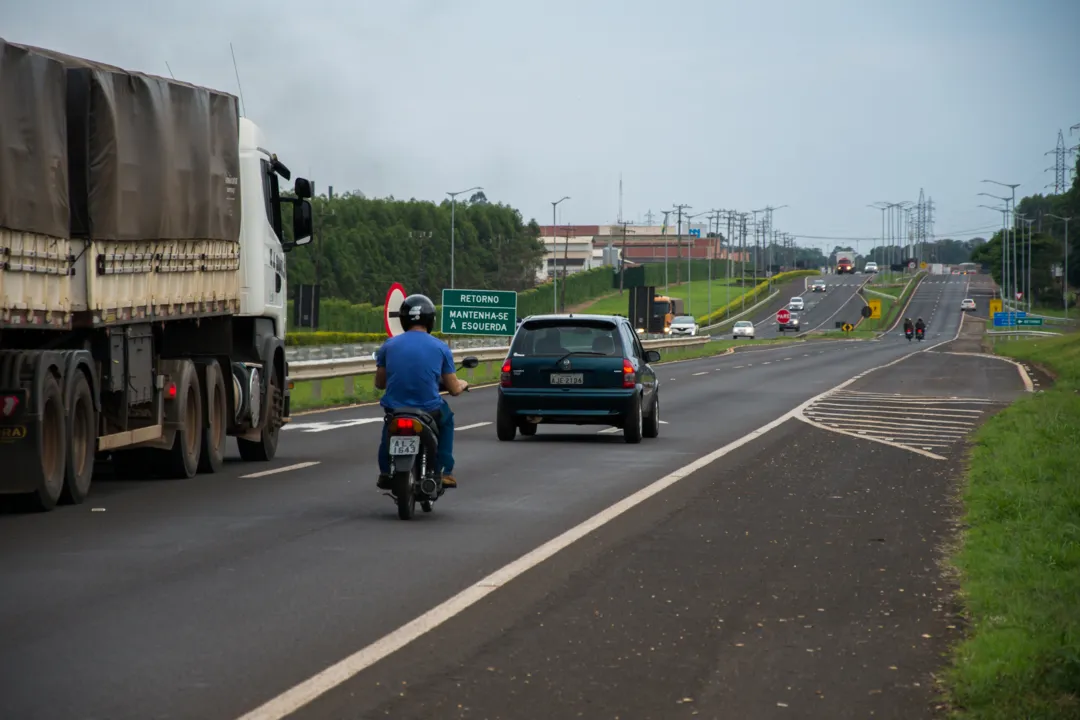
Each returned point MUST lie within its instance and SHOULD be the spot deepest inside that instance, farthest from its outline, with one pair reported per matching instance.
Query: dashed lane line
(275, 471)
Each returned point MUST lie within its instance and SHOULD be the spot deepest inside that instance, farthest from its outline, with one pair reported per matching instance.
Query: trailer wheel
(81, 441)
(51, 448)
(213, 434)
(182, 460)
(265, 448)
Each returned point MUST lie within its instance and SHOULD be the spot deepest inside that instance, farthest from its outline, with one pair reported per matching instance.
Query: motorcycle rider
(409, 367)
(920, 326)
(909, 327)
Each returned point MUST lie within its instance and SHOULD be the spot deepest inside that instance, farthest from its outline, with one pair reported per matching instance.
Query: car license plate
(567, 378)
(405, 445)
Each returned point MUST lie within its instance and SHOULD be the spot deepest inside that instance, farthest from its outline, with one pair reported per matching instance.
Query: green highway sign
(479, 312)
(1029, 321)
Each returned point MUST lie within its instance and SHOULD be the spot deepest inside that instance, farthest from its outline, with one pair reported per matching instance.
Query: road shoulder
(799, 576)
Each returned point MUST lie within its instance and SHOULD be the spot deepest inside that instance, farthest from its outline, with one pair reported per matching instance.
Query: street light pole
(1012, 187)
(453, 207)
(555, 255)
(1065, 266)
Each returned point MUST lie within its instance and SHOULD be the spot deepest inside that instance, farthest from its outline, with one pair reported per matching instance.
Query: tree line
(362, 245)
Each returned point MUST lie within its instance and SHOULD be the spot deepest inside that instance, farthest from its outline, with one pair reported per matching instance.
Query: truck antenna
(243, 108)
(170, 70)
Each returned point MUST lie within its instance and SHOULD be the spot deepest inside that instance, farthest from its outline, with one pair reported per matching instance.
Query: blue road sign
(1008, 319)
(695, 232)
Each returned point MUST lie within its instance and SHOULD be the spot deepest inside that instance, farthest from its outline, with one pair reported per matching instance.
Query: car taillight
(405, 426)
(629, 377)
(504, 376)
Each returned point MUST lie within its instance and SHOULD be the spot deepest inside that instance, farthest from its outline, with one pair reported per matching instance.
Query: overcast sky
(822, 105)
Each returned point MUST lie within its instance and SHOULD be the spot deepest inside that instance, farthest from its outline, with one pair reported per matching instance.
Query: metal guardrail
(315, 371)
(1010, 333)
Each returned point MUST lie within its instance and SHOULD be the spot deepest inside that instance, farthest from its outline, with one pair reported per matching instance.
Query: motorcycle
(920, 333)
(909, 334)
(414, 449)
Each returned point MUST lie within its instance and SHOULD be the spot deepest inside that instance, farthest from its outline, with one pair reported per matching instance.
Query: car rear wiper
(580, 352)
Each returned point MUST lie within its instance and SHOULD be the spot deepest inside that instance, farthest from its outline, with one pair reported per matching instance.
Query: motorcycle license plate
(567, 378)
(405, 445)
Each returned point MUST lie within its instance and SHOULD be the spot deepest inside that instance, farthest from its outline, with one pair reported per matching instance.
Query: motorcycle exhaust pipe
(428, 486)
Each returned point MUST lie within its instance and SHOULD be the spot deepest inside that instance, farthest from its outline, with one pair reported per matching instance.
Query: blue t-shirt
(415, 362)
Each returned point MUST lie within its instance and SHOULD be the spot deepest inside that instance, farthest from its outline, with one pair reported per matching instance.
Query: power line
(878, 238)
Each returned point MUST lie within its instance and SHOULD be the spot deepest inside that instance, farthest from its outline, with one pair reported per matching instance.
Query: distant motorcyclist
(409, 367)
(920, 326)
(909, 327)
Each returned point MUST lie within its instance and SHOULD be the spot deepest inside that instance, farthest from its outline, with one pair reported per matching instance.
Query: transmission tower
(649, 217)
(1061, 164)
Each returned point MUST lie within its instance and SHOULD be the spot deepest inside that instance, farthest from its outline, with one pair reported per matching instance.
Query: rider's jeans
(445, 422)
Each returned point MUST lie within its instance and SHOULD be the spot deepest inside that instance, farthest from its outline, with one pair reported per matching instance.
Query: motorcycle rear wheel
(404, 491)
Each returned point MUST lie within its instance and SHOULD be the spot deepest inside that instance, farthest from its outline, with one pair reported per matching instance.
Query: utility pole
(1065, 265)
(678, 244)
(663, 231)
(622, 260)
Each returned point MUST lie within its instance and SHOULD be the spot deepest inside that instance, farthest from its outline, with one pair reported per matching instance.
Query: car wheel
(633, 426)
(651, 427)
(505, 427)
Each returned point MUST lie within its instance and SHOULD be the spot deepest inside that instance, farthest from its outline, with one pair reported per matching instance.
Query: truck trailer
(142, 276)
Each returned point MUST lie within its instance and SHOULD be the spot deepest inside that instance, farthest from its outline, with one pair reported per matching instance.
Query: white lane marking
(787, 358)
(332, 425)
(706, 372)
(767, 363)
(470, 427)
(275, 471)
(609, 431)
(737, 367)
(319, 684)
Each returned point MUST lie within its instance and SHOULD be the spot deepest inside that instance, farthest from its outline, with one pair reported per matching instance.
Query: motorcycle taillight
(405, 426)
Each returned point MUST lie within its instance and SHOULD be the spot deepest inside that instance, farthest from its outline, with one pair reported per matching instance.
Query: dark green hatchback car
(578, 370)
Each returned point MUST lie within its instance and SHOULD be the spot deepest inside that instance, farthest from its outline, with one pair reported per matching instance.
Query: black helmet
(417, 310)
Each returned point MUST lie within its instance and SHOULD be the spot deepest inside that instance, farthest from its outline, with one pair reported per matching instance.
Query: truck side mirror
(302, 188)
(302, 224)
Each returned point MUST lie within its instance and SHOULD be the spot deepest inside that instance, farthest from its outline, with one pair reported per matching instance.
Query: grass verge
(696, 294)
(336, 392)
(1020, 557)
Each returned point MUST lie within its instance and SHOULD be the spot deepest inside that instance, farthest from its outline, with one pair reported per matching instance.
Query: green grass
(1020, 557)
(697, 294)
(894, 290)
(1053, 311)
(333, 392)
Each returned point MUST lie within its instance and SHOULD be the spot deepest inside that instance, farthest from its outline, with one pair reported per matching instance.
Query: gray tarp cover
(33, 143)
(150, 158)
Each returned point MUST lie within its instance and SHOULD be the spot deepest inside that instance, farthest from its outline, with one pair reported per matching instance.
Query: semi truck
(845, 261)
(142, 276)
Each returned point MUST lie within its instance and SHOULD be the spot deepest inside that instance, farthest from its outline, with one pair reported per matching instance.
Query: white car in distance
(967, 304)
(743, 328)
(684, 325)
(796, 304)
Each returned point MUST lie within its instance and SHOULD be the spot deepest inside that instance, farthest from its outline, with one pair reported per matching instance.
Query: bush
(760, 289)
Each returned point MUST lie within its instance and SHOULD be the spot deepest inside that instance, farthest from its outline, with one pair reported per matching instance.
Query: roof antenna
(243, 108)
(170, 70)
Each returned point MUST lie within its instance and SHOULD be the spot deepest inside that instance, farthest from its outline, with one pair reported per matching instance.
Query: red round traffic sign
(783, 316)
(394, 298)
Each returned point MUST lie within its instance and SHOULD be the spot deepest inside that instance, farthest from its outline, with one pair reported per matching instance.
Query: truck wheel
(265, 448)
(182, 461)
(81, 439)
(51, 446)
(213, 434)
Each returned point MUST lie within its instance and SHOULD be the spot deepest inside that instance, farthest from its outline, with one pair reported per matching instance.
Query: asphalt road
(822, 309)
(798, 577)
(205, 598)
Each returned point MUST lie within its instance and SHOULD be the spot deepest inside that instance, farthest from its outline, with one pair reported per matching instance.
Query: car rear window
(559, 337)
(744, 323)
